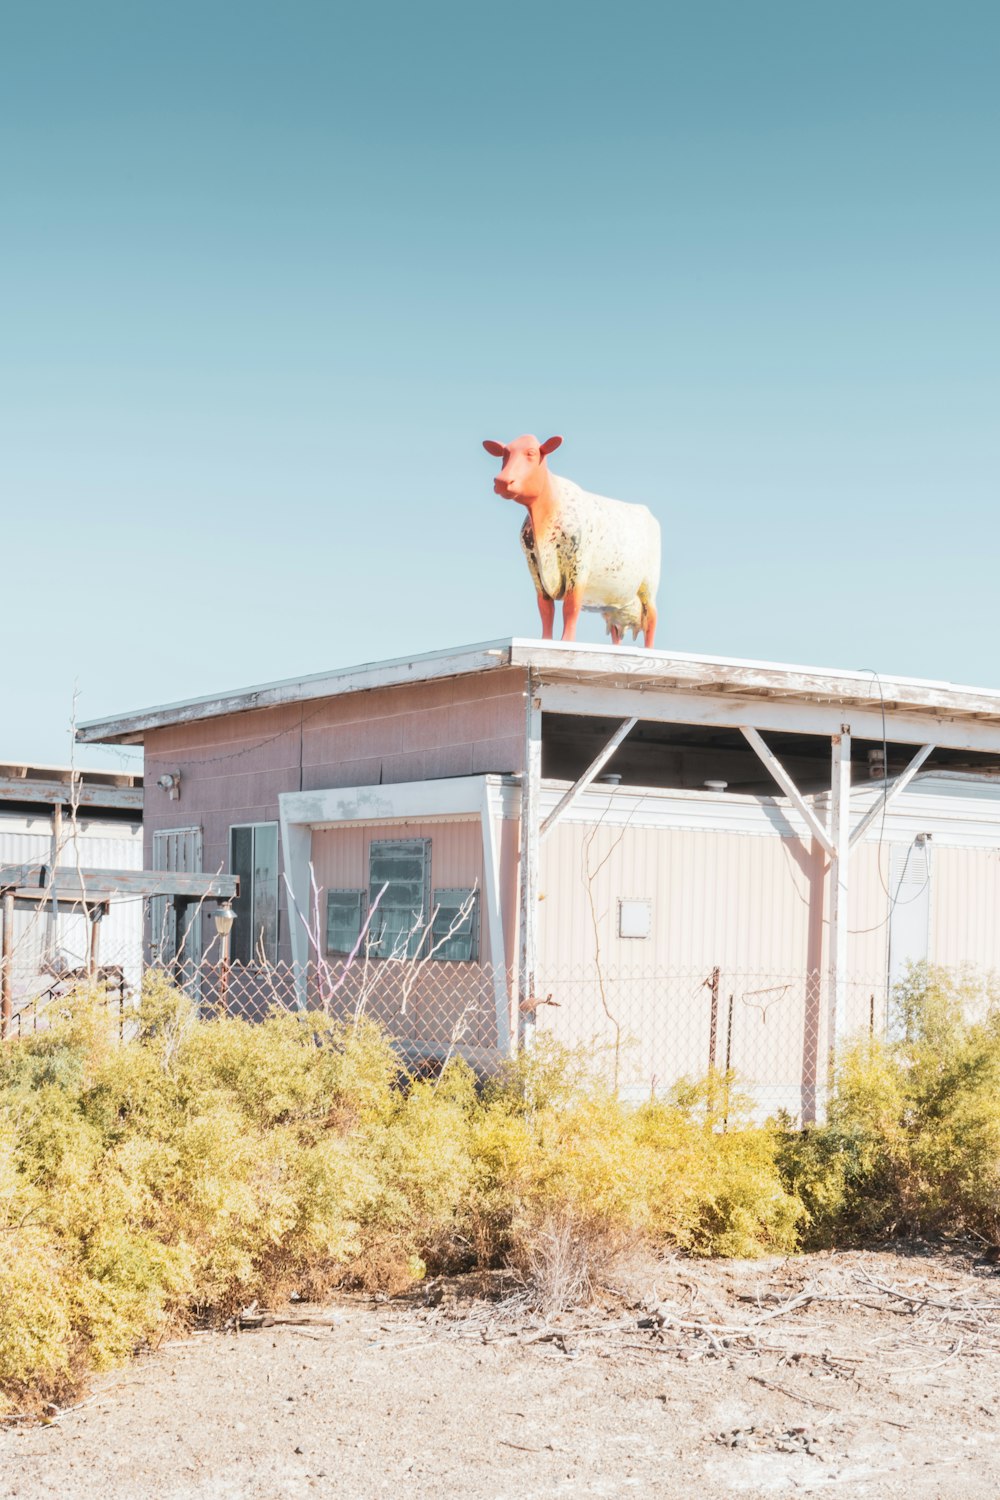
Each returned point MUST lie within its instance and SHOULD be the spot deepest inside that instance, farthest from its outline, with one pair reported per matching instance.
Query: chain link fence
(645, 1031)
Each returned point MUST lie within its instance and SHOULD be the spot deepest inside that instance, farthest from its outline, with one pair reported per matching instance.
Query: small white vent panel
(635, 918)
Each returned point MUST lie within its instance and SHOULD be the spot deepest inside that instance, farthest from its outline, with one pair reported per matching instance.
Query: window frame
(462, 893)
(250, 895)
(374, 886)
(362, 896)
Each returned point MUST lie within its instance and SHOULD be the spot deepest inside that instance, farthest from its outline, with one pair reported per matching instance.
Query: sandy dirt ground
(874, 1375)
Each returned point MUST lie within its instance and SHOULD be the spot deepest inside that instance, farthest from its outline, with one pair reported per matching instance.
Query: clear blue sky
(271, 273)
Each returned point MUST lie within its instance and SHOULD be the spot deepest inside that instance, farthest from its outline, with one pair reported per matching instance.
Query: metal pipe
(729, 1057)
(93, 959)
(224, 975)
(713, 1022)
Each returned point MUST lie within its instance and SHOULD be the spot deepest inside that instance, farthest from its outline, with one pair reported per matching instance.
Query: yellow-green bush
(552, 1141)
(206, 1164)
(912, 1140)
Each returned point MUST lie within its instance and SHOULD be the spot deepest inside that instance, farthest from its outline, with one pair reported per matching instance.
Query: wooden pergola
(91, 889)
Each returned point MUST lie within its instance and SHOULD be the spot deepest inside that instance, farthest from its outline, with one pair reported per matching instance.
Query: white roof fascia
(557, 661)
(637, 663)
(128, 728)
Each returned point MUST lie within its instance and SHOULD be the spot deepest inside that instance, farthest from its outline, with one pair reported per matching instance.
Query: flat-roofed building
(688, 860)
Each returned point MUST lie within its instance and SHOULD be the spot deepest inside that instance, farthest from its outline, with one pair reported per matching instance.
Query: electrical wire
(295, 728)
(893, 900)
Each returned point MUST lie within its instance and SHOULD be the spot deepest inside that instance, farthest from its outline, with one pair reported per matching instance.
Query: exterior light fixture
(170, 781)
(224, 917)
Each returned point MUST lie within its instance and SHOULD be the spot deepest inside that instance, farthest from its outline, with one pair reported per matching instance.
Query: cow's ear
(495, 448)
(549, 446)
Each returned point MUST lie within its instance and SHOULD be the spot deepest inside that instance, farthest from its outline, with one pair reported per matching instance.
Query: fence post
(93, 960)
(6, 963)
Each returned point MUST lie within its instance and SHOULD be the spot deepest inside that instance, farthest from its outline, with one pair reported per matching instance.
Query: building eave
(598, 667)
(130, 728)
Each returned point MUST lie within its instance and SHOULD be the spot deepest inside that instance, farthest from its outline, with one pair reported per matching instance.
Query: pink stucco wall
(234, 768)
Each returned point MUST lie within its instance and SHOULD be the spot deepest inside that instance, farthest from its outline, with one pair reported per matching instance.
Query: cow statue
(588, 551)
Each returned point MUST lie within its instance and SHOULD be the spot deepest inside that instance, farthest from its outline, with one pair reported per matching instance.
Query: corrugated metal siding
(729, 899)
(98, 844)
(753, 905)
(965, 907)
(867, 911)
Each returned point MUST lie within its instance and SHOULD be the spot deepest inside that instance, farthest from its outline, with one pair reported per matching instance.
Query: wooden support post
(531, 782)
(788, 786)
(6, 963)
(840, 830)
(52, 943)
(489, 816)
(891, 792)
(596, 765)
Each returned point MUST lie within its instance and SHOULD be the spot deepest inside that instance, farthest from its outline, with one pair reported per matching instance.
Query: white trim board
(662, 675)
(450, 799)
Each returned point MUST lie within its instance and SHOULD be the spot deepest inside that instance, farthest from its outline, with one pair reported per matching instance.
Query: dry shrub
(204, 1165)
(912, 1142)
(568, 1258)
(553, 1144)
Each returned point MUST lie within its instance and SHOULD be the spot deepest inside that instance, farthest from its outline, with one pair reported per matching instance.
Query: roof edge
(555, 660)
(129, 728)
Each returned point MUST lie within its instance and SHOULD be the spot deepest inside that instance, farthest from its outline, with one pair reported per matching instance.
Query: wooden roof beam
(41, 882)
(889, 792)
(594, 769)
(791, 791)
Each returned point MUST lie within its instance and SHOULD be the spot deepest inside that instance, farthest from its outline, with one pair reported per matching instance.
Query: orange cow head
(524, 476)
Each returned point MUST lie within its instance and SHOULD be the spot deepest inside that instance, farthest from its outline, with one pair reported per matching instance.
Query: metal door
(173, 944)
(910, 905)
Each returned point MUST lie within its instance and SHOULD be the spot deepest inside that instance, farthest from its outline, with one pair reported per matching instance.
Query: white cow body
(608, 549)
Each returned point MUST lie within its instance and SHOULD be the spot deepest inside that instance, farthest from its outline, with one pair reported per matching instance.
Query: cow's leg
(547, 610)
(572, 604)
(649, 626)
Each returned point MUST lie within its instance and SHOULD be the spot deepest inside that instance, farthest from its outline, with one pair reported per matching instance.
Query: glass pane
(454, 938)
(343, 920)
(399, 927)
(397, 931)
(265, 892)
(241, 864)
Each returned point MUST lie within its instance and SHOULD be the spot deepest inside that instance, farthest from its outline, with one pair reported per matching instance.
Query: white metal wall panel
(98, 843)
(718, 898)
(965, 907)
(910, 912)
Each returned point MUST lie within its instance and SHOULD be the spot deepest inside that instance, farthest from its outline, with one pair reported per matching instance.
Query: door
(175, 927)
(909, 906)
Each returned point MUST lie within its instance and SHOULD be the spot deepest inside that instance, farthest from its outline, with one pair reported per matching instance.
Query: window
(344, 920)
(403, 866)
(253, 856)
(455, 933)
(406, 922)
